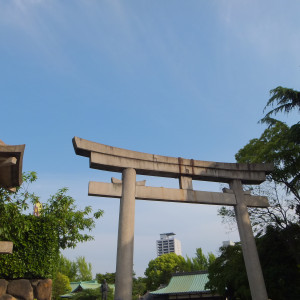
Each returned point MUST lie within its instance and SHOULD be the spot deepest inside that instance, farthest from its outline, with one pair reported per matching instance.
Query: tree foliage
(279, 260)
(70, 222)
(35, 251)
(278, 226)
(227, 274)
(200, 262)
(284, 99)
(61, 286)
(78, 270)
(275, 146)
(139, 287)
(37, 240)
(280, 145)
(109, 277)
(160, 269)
(138, 283)
(67, 268)
(84, 269)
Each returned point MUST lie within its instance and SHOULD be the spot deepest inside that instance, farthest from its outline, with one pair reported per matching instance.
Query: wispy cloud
(33, 26)
(270, 28)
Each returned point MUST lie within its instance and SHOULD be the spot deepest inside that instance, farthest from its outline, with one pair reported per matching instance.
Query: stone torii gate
(130, 163)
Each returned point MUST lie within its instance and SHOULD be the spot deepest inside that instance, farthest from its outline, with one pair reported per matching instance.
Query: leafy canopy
(280, 145)
(37, 240)
(275, 145)
(286, 100)
(61, 286)
(160, 269)
(78, 270)
(279, 252)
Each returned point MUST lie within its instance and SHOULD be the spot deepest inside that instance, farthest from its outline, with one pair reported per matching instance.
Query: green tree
(67, 267)
(286, 100)
(37, 240)
(200, 262)
(84, 269)
(61, 286)
(138, 284)
(78, 270)
(227, 274)
(279, 144)
(160, 269)
(109, 277)
(275, 145)
(279, 252)
(139, 287)
(70, 222)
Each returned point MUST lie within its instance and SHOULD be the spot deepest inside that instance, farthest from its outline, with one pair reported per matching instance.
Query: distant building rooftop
(228, 243)
(78, 286)
(166, 235)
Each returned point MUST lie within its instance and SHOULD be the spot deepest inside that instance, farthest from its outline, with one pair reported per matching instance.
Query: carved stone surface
(43, 290)
(3, 286)
(6, 247)
(24, 289)
(7, 297)
(114, 159)
(20, 289)
(11, 159)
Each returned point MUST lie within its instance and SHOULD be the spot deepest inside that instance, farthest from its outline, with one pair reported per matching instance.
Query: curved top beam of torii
(114, 159)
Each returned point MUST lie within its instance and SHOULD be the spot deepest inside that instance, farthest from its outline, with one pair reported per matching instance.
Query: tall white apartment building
(168, 244)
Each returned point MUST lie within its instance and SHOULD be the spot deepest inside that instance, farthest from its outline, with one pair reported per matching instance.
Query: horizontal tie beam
(114, 190)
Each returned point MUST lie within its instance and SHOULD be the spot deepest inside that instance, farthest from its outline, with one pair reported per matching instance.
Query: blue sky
(176, 78)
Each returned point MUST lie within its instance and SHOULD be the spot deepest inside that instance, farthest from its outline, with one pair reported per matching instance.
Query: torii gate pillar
(251, 259)
(126, 236)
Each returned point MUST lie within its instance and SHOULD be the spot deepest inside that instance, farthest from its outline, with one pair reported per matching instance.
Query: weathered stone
(114, 190)
(126, 237)
(7, 297)
(114, 159)
(6, 247)
(3, 286)
(44, 290)
(20, 289)
(253, 267)
(11, 158)
(34, 283)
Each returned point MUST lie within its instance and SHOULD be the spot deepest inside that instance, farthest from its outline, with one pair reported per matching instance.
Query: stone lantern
(11, 160)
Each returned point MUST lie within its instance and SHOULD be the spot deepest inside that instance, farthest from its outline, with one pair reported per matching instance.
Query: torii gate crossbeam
(130, 163)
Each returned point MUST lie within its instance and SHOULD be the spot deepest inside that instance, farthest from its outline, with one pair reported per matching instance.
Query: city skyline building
(168, 244)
